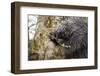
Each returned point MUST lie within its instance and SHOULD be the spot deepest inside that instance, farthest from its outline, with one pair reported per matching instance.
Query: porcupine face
(60, 36)
(72, 36)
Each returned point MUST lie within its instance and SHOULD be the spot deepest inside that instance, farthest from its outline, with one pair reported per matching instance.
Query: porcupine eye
(53, 38)
(64, 35)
